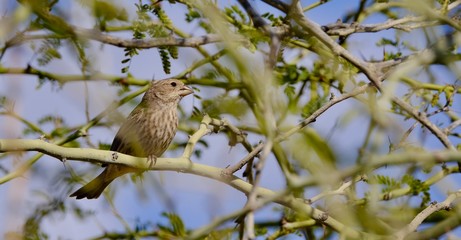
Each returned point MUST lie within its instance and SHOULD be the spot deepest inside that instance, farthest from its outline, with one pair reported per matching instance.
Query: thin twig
(202, 131)
(339, 191)
(422, 118)
(452, 126)
(93, 34)
(252, 196)
(232, 169)
(432, 208)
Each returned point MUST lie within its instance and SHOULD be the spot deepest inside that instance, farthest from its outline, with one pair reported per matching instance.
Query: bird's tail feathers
(93, 189)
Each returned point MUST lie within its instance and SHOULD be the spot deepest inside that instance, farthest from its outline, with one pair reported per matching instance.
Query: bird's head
(167, 91)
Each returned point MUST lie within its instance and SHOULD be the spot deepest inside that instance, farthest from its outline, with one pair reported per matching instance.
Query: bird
(147, 132)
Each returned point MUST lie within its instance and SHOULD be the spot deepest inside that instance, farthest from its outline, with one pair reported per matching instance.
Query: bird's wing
(127, 139)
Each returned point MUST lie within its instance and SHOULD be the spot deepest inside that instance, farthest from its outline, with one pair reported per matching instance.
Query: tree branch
(93, 34)
(81, 131)
(346, 29)
(369, 70)
(432, 208)
(296, 13)
(184, 165)
(147, 43)
(405, 24)
(180, 164)
(407, 190)
(66, 78)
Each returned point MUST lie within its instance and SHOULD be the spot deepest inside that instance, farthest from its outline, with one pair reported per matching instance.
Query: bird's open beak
(184, 91)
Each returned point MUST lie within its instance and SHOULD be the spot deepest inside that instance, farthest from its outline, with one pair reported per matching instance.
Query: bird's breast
(162, 126)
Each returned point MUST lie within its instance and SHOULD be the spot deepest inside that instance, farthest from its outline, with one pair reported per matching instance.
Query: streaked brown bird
(147, 132)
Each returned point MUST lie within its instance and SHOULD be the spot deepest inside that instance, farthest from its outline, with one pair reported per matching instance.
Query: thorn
(43, 138)
(82, 133)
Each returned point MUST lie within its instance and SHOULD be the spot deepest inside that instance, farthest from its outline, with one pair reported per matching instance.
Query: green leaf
(173, 51)
(319, 145)
(191, 15)
(108, 11)
(48, 51)
(220, 234)
(387, 41)
(435, 99)
(388, 182)
(313, 105)
(289, 91)
(103, 146)
(234, 106)
(165, 59)
(176, 227)
(162, 16)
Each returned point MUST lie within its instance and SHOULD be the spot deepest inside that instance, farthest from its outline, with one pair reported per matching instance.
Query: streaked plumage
(147, 132)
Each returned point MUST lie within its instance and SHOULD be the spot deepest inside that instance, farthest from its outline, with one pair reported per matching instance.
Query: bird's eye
(173, 84)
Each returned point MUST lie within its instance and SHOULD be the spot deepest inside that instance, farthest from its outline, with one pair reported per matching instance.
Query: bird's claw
(152, 160)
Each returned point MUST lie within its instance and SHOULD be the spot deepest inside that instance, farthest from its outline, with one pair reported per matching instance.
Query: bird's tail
(93, 189)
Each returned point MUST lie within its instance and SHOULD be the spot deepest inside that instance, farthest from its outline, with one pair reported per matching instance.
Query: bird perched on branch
(147, 132)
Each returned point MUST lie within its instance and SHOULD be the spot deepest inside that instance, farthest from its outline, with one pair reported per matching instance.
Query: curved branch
(394, 194)
(438, 230)
(345, 29)
(122, 80)
(92, 34)
(184, 165)
(66, 78)
(405, 24)
(181, 164)
(432, 208)
(147, 43)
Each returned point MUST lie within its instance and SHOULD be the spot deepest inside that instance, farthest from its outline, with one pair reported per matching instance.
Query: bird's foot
(152, 160)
